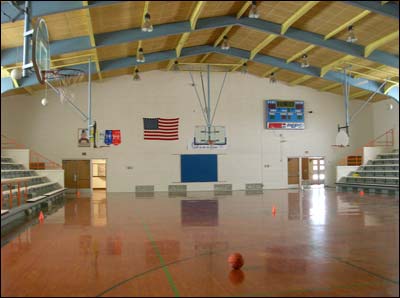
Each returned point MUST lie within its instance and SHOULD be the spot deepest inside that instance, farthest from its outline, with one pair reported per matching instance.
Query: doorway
(99, 174)
(293, 171)
(77, 174)
(317, 170)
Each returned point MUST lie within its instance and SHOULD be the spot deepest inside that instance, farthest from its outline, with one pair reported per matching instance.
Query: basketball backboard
(216, 136)
(41, 50)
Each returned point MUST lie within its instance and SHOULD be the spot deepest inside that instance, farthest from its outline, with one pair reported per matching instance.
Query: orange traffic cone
(273, 210)
(361, 193)
(41, 216)
(78, 194)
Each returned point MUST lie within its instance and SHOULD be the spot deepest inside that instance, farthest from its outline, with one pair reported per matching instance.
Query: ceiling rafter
(301, 80)
(297, 15)
(328, 67)
(330, 87)
(240, 13)
(380, 42)
(131, 35)
(262, 45)
(268, 72)
(119, 63)
(389, 9)
(140, 42)
(92, 40)
(185, 36)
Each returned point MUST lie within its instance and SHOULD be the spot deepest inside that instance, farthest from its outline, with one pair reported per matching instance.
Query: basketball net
(62, 80)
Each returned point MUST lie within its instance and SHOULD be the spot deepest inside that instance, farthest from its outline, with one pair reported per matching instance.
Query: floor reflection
(199, 212)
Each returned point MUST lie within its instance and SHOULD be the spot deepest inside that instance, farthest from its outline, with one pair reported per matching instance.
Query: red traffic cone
(361, 193)
(273, 210)
(41, 216)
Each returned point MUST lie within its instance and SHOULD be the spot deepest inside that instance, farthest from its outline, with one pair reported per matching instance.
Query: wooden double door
(76, 174)
(293, 170)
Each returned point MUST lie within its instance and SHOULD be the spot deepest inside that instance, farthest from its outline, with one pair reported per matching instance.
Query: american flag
(161, 129)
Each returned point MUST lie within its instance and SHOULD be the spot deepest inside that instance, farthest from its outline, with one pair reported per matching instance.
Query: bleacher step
(4, 211)
(36, 199)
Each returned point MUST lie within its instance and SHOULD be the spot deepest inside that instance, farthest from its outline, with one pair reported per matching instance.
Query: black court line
(155, 269)
(365, 270)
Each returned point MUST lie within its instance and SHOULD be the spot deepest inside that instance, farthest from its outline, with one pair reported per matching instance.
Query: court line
(157, 268)
(161, 259)
(365, 270)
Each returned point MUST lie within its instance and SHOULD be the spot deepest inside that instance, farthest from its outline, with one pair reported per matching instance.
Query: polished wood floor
(318, 243)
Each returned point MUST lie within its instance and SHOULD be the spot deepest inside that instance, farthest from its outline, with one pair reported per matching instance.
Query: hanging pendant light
(136, 76)
(225, 43)
(351, 35)
(272, 78)
(176, 66)
(253, 13)
(304, 61)
(244, 69)
(147, 26)
(140, 56)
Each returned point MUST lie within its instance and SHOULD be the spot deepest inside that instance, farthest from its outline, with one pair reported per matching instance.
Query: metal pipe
(209, 102)
(198, 97)
(27, 22)
(89, 98)
(368, 100)
(219, 96)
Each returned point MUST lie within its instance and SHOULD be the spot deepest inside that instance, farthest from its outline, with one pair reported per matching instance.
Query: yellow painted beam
(225, 32)
(196, 13)
(145, 10)
(300, 80)
(181, 43)
(92, 40)
(299, 54)
(242, 61)
(360, 93)
(377, 69)
(5, 74)
(388, 87)
(275, 69)
(297, 15)
(366, 75)
(330, 87)
(170, 64)
(347, 24)
(384, 2)
(262, 45)
(205, 57)
(243, 9)
(380, 42)
(29, 90)
(326, 68)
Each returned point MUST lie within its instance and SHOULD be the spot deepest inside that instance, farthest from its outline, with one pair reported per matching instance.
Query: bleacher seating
(380, 175)
(37, 187)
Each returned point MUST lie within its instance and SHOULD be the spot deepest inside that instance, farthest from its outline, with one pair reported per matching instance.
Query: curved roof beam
(125, 62)
(9, 56)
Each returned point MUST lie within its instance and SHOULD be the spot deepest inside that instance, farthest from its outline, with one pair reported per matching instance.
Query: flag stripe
(161, 129)
(162, 139)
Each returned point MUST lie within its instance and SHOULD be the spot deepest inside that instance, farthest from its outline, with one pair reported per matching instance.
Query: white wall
(385, 118)
(20, 156)
(254, 155)
(53, 175)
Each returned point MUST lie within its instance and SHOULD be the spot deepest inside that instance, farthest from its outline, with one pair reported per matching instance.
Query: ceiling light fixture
(244, 69)
(272, 78)
(225, 43)
(304, 61)
(176, 66)
(136, 76)
(140, 56)
(253, 13)
(351, 35)
(147, 26)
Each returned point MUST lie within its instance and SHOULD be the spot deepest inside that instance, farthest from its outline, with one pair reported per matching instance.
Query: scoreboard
(284, 114)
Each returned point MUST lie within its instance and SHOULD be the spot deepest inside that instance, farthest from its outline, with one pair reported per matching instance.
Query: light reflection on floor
(319, 242)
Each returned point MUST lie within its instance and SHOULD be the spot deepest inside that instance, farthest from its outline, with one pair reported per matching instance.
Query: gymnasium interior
(199, 148)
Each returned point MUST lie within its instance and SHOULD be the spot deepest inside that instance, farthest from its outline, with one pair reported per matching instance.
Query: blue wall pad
(199, 168)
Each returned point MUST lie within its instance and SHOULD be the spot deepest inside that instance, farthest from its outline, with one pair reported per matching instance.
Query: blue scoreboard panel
(285, 114)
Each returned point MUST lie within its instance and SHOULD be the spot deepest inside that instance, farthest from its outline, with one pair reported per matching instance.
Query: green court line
(164, 266)
(159, 267)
